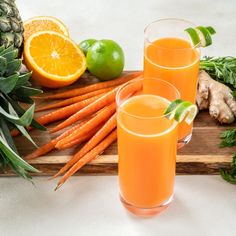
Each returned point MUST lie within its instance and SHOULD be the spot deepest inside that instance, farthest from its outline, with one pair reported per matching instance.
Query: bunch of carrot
(94, 106)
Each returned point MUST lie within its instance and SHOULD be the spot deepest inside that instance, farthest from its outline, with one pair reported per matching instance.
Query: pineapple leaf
(13, 66)
(23, 78)
(3, 65)
(19, 127)
(2, 48)
(6, 134)
(26, 134)
(8, 84)
(24, 120)
(37, 125)
(20, 171)
(20, 111)
(6, 50)
(27, 100)
(9, 56)
(3, 161)
(14, 158)
(25, 91)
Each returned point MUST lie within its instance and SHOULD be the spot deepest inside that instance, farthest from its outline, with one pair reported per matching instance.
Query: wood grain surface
(201, 156)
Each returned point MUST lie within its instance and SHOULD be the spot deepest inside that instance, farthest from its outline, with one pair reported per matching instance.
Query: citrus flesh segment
(43, 23)
(55, 60)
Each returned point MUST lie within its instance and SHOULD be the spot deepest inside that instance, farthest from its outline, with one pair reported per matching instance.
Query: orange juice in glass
(146, 145)
(169, 55)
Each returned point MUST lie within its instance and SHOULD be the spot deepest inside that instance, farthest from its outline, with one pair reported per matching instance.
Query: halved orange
(42, 23)
(54, 59)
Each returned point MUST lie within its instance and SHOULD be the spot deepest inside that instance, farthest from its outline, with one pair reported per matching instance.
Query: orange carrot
(16, 132)
(78, 140)
(83, 90)
(88, 110)
(61, 113)
(97, 138)
(88, 157)
(74, 99)
(51, 145)
(105, 114)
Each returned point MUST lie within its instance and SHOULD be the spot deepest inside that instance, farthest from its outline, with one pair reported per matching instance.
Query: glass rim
(169, 19)
(142, 79)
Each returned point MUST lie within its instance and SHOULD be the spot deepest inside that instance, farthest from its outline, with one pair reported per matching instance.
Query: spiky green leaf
(24, 120)
(25, 91)
(27, 100)
(3, 65)
(9, 56)
(2, 48)
(6, 50)
(23, 79)
(7, 84)
(14, 158)
(20, 111)
(6, 134)
(13, 66)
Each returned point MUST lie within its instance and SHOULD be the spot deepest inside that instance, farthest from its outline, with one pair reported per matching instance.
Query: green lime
(86, 44)
(182, 110)
(105, 59)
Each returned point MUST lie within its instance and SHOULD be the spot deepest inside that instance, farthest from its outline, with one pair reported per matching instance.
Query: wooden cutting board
(201, 156)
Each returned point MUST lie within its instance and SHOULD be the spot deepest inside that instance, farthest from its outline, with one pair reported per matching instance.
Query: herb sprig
(230, 175)
(228, 139)
(222, 69)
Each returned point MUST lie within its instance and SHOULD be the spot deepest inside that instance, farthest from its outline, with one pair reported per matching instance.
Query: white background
(203, 205)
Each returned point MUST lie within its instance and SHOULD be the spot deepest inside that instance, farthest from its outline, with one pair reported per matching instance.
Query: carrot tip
(57, 187)
(52, 177)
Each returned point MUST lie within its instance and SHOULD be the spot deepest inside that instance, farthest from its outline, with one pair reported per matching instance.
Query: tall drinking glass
(147, 143)
(169, 54)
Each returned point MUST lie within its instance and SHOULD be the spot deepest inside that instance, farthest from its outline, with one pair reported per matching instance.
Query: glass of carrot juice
(169, 54)
(147, 143)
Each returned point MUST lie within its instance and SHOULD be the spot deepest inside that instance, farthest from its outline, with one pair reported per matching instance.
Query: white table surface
(89, 205)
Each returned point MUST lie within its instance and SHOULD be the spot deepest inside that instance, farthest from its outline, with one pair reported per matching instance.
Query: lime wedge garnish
(171, 107)
(205, 36)
(193, 35)
(211, 29)
(201, 36)
(182, 111)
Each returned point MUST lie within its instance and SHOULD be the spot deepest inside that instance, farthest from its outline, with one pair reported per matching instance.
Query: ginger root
(216, 97)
